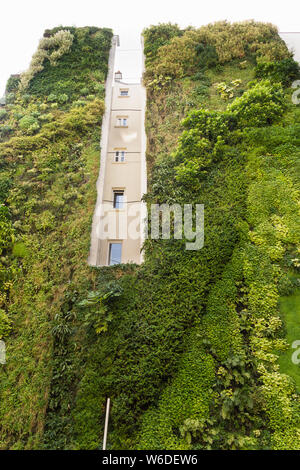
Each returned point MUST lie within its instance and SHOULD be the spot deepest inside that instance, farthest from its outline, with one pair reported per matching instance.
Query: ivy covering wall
(186, 345)
(50, 134)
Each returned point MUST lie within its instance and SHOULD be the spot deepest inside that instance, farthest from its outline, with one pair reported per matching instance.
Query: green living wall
(188, 353)
(187, 344)
(50, 134)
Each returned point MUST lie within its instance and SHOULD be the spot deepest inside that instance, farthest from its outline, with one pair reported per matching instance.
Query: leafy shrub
(201, 90)
(210, 124)
(29, 124)
(262, 104)
(6, 232)
(218, 43)
(206, 56)
(157, 36)
(12, 84)
(5, 130)
(197, 156)
(188, 395)
(86, 60)
(186, 352)
(19, 250)
(5, 324)
(10, 97)
(52, 98)
(47, 117)
(178, 58)
(5, 185)
(63, 98)
(3, 114)
(50, 48)
(227, 91)
(238, 40)
(78, 103)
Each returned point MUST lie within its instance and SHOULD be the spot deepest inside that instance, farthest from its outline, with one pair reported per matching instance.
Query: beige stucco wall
(126, 225)
(122, 225)
(124, 175)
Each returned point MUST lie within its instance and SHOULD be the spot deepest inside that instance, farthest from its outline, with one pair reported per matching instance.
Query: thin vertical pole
(106, 423)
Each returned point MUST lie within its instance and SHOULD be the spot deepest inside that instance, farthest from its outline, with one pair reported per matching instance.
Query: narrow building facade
(118, 224)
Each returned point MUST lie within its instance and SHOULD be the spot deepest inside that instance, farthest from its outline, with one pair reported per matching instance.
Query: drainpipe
(106, 424)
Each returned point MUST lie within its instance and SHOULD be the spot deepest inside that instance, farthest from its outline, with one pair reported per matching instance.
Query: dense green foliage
(189, 347)
(49, 166)
(186, 345)
(82, 71)
(237, 396)
(188, 53)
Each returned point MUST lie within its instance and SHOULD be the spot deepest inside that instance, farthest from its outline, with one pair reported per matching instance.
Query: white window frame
(119, 156)
(124, 92)
(122, 122)
(122, 204)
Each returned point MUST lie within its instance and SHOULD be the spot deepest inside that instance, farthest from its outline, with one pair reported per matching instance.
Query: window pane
(115, 253)
(118, 199)
(124, 122)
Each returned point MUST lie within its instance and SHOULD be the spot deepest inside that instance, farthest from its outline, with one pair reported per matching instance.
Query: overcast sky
(23, 22)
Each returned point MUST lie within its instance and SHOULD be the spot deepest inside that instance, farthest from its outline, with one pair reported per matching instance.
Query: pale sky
(23, 23)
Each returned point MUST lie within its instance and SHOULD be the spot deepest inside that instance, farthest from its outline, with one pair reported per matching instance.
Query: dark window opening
(115, 253)
(120, 156)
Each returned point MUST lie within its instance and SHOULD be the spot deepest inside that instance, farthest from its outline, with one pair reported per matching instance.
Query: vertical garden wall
(189, 342)
(50, 134)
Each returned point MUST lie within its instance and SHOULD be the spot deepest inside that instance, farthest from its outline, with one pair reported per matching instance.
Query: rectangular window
(121, 122)
(118, 199)
(124, 92)
(115, 253)
(120, 156)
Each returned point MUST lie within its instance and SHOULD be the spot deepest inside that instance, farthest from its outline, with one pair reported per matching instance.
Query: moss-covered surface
(49, 167)
(246, 149)
(189, 355)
